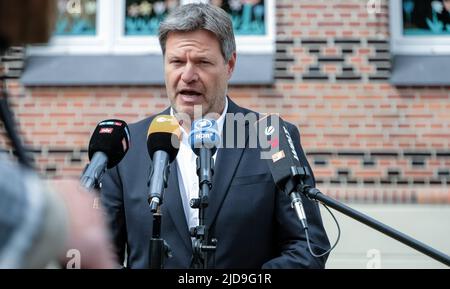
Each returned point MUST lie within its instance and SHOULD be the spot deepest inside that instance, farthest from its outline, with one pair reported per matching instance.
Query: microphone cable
(334, 245)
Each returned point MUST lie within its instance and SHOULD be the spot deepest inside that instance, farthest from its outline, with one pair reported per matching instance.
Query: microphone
(163, 143)
(108, 145)
(284, 163)
(204, 135)
(204, 139)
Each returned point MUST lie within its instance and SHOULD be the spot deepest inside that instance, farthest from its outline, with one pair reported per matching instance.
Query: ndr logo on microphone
(204, 136)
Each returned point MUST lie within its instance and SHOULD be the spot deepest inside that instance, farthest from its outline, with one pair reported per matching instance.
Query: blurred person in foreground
(49, 224)
(44, 224)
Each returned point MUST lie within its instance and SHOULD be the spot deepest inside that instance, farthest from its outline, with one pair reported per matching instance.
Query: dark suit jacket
(251, 219)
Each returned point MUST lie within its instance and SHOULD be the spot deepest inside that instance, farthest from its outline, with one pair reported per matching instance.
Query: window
(247, 16)
(420, 42)
(420, 26)
(143, 17)
(131, 26)
(427, 18)
(76, 18)
(96, 39)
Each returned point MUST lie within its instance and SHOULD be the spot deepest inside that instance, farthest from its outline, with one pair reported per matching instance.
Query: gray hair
(195, 16)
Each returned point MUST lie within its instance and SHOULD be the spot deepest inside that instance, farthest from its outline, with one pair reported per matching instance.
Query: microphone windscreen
(164, 134)
(276, 140)
(204, 134)
(112, 137)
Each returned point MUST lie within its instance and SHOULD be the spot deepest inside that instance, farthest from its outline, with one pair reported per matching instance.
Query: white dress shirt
(187, 171)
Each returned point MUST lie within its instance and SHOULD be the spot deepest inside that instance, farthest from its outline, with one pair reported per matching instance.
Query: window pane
(143, 17)
(76, 17)
(426, 17)
(247, 15)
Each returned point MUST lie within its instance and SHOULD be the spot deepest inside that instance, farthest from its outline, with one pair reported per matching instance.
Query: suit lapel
(173, 205)
(227, 161)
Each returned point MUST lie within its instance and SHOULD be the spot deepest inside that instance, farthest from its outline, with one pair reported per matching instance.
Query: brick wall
(366, 140)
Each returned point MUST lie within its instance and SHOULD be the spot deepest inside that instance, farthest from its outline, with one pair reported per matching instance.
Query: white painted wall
(363, 247)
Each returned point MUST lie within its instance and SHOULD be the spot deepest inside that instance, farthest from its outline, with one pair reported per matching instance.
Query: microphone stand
(159, 249)
(301, 173)
(202, 251)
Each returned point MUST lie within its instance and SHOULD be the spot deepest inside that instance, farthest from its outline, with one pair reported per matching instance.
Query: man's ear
(231, 64)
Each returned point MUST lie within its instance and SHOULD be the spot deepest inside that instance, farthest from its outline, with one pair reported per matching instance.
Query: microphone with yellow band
(163, 143)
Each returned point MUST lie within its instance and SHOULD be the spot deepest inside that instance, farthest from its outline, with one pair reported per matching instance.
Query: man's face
(447, 5)
(196, 72)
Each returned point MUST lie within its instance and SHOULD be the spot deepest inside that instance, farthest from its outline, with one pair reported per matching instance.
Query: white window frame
(100, 43)
(413, 45)
(110, 38)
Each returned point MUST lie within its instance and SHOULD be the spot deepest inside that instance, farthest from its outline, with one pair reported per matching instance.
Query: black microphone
(283, 161)
(109, 143)
(163, 143)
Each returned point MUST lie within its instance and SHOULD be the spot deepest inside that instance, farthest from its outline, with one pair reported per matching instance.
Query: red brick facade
(366, 140)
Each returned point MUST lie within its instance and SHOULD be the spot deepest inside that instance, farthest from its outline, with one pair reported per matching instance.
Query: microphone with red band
(163, 143)
(283, 161)
(109, 143)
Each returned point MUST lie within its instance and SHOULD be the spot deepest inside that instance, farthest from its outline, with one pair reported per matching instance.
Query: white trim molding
(110, 38)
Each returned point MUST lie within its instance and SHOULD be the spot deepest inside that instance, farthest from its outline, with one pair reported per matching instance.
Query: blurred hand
(88, 237)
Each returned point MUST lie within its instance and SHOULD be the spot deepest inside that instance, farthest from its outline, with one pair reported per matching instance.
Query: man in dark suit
(251, 219)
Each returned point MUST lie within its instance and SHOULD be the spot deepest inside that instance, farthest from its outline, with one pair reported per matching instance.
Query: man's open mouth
(189, 92)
